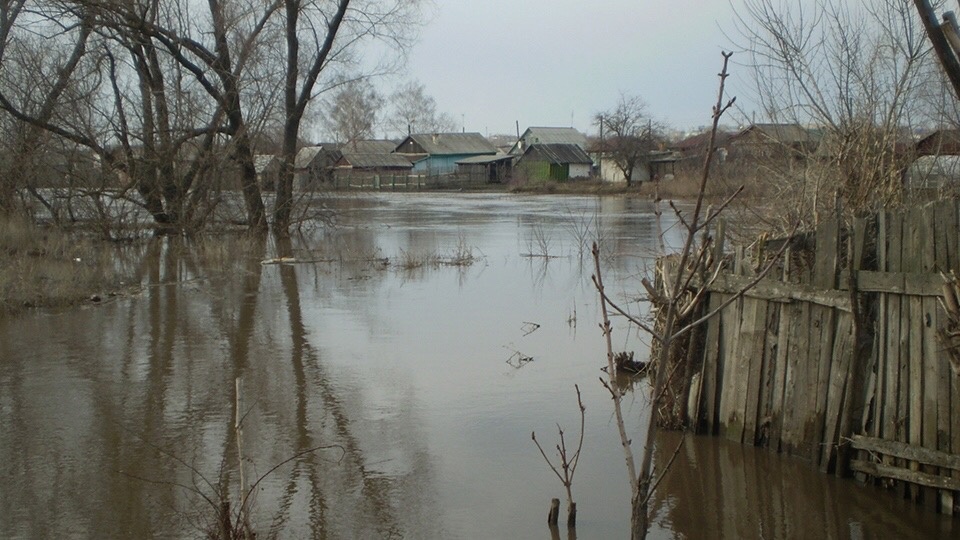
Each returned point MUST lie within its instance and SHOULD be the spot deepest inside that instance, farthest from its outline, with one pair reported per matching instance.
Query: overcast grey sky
(557, 62)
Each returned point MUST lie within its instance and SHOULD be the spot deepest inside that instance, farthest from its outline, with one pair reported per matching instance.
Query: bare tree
(318, 35)
(354, 110)
(858, 73)
(415, 111)
(628, 135)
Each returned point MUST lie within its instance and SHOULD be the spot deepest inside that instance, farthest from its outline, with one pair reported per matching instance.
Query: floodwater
(380, 397)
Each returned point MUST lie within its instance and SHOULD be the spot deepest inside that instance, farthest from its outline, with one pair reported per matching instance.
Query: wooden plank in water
(780, 377)
(913, 234)
(794, 378)
(768, 374)
(893, 413)
(752, 345)
(880, 340)
(906, 475)
(826, 267)
(861, 363)
(728, 398)
(839, 380)
(711, 377)
(928, 338)
(944, 460)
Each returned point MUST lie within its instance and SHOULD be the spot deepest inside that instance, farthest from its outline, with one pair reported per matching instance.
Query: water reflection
(717, 489)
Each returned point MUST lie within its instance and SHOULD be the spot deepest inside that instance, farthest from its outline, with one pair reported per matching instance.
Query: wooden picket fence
(835, 356)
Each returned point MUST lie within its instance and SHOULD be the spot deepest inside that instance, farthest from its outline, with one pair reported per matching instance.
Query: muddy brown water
(387, 394)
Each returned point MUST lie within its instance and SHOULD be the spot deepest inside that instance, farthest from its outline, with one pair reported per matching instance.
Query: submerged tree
(318, 37)
(163, 94)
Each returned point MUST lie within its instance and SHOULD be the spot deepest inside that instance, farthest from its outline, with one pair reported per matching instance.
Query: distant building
(369, 159)
(493, 169)
(268, 171)
(777, 141)
(555, 162)
(548, 135)
(313, 166)
(438, 153)
(942, 142)
(938, 161)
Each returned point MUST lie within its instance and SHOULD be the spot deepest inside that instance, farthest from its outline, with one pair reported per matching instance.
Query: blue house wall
(435, 165)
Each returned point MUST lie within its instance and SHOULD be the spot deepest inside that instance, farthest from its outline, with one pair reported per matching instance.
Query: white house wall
(579, 170)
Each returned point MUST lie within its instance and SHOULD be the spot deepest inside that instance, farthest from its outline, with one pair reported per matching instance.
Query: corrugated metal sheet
(445, 144)
(263, 162)
(305, 156)
(377, 146)
(376, 161)
(554, 135)
(484, 159)
(780, 133)
(557, 154)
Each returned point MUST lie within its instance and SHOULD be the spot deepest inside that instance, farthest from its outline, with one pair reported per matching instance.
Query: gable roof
(940, 142)
(265, 162)
(446, 144)
(700, 141)
(305, 156)
(372, 146)
(367, 160)
(473, 160)
(554, 135)
(557, 154)
(779, 133)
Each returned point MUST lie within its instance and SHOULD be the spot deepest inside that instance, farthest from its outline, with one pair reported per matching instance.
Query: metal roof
(305, 156)
(781, 133)
(261, 162)
(554, 135)
(375, 160)
(376, 146)
(557, 153)
(446, 144)
(484, 159)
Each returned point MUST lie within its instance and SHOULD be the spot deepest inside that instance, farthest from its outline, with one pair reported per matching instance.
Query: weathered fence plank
(731, 317)
(907, 475)
(754, 343)
(841, 343)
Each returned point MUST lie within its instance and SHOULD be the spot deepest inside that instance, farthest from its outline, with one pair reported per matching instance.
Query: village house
(548, 135)
(649, 165)
(435, 154)
(554, 162)
(313, 166)
(938, 161)
(691, 151)
(268, 171)
(493, 169)
(782, 144)
(371, 160)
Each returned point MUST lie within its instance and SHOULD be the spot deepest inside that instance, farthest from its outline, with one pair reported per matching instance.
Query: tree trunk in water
(252, 198)
(638, 517)
(283, 205)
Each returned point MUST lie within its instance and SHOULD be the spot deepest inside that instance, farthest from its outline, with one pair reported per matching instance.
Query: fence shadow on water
(721, 489)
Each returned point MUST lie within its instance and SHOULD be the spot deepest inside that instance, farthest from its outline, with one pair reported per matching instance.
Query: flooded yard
(391, 378)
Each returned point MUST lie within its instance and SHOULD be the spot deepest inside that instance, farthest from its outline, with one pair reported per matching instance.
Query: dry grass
(49, 267)
(461, 255)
